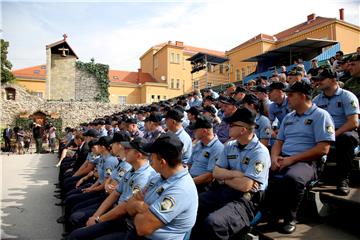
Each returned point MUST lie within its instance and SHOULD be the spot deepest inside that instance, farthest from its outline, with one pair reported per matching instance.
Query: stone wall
(86, 86)
(71, 113)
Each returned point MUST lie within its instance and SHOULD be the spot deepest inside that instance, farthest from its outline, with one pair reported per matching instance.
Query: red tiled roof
(288, 32)
(117, 76)
(302, 27)
(36, 72)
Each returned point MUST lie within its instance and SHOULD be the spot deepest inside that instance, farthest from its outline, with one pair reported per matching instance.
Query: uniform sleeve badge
(267, 131)
(330, 129)
(259, 167)
(108, 171)
(353, 104)
(121, 172)
(167, 204)
(160, 190)
(136, 189)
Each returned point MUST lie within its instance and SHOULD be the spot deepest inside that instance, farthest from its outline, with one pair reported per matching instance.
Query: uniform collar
(143, 167)
(179, 131)
(177, 175)
(309, 111)
(252, 143)
(284, 102)
(210, 143)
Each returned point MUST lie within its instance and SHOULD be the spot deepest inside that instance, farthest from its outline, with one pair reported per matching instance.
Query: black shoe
(58, 196)
(288, 227)
(57, 191)
(61, 219)
(343, 187)
(60, 203)
(65, 234)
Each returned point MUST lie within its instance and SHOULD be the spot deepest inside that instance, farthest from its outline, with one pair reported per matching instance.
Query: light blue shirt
(341, 105)
(174, 201)
(102, 132)
(253, 160)
(222, 131)
(263, 127)
(120, 169)
(301, 133)
(279, 111)
(187, 148)
(204, 157)
(134, 181)
(106, 165)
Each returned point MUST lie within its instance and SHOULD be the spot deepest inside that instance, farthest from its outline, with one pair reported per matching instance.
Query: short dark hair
(340, 52)
(171, 160)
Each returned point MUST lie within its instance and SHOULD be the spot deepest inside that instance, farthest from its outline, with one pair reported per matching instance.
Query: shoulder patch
(267, 131)
(136, 189)
(330, 129)
(121, 172)
(353, 104)
(259, 167)
(167, 204)
(108, 171)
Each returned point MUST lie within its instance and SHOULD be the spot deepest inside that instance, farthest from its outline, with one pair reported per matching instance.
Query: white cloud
(209, 24)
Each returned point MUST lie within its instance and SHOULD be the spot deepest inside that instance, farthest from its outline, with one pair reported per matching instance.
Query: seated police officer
(343, 107)
(242, 175)
(205, 152)
(167, 208)
(304, 137)
(107, 220)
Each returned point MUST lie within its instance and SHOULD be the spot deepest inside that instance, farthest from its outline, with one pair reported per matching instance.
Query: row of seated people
(104, 199)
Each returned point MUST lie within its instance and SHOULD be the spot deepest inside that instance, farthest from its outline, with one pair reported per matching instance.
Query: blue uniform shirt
(120, 169)
(94, 159)
(341, 105)
(279, 111)
(204, 157)
(187, 148)
(152, 136)
(102, 132)
(106, 165)
(222, 131)
(301, 133)
(263, 127)
(253, 160)
(134, 181)
(174, 201)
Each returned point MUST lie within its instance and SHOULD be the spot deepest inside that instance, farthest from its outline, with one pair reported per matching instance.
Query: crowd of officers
(201, 166)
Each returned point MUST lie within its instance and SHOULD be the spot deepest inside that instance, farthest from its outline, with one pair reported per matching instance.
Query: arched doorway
(39, 118)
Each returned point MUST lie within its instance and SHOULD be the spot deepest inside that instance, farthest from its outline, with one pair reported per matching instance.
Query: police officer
(205, 152)
(132, 128)
(211, 112)
(154, 129)
(304, 137)
(100, 127)
(242, 176)
(343, 106)
(263, 126)
(192, 114)
(173, 122)
(229, 106)
(279, 108)
(240, 93)
(108, 219)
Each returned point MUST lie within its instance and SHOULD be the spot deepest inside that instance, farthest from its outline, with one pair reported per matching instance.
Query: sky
(117, 33)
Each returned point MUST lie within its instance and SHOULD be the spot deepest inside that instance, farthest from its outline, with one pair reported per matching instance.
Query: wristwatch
(97, 219)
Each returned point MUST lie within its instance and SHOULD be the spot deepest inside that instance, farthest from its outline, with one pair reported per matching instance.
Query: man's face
(116, 148)
(338, 56)
(239, 96)
(236, 129)
(229, 109)
(156, 162)
(95, 150)
(274, 94)
(324, 84)
(131, 155)
(230, 91)
(354, 68)
(131, 127)
(199, 133)
(294, 99)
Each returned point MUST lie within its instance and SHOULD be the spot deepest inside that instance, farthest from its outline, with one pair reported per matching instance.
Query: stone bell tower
(60, 69)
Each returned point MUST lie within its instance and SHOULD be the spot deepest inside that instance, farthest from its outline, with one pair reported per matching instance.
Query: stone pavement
(27, 202)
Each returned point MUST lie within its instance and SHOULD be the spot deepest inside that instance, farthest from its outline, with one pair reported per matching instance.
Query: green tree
(6, 75)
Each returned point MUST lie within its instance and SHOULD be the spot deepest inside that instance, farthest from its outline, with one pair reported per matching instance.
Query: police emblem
(353, 104)
(206, 154)
(160, 190)
(259, 167)
(330, 129)
(267, 131)
(108, 171)
(308, 121)
(246, 160)
(247, 196)
(167, 204)
(121, 172)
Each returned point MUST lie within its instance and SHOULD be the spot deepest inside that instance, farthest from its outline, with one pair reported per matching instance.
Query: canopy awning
(213, 59)
(311, 45)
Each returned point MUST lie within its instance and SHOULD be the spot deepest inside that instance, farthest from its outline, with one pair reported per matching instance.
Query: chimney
(139, 75)
(169, 42)
(341, 13)
(311, 17)
(179, 44)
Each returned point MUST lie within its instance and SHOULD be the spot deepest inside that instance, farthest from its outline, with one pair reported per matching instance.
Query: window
(249, 70)
(122, 100)
(243, 74)
(37, 71)
(10, 93)
(158, 97)
(237, 75)
(221, 68)
(115, 77)
(209, 84)
(164, 97)
(172, 83)
(43, 67)
(196, 84)
(39, 94)
(178, 83)
(177, 58)
(172, 57)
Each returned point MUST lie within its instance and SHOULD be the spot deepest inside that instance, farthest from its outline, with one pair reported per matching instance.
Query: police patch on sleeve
(167, 204)
(353, 104)
(259, 167)
(121, 172)
(330, 129)
(136, 189)
(267, 131)
(108, 171)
